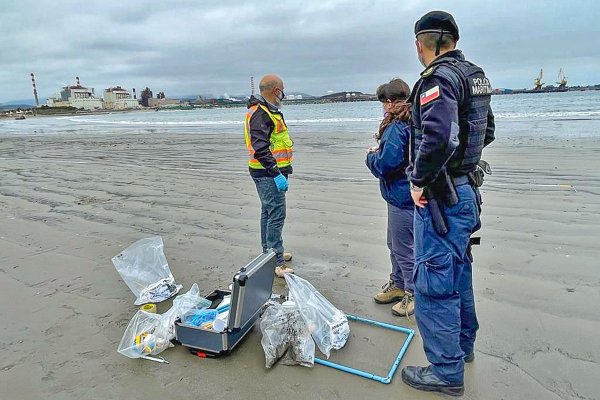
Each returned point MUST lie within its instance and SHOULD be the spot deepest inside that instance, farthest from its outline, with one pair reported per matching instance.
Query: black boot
(468, 358)
(422, 378)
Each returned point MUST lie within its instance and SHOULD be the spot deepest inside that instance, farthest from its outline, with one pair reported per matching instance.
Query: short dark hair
(430, 40)
(394, 90)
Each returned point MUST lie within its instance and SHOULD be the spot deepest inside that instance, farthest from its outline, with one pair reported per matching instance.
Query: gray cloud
(188, 47)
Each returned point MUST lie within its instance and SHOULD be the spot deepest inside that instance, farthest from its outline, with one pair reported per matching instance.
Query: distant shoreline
(35, 112)
(546, 90)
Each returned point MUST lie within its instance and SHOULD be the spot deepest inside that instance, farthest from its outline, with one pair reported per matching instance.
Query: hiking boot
(468, 358)
(422, 378)
(283, 269)
(406, 307)
(389, 294)
(287, 257)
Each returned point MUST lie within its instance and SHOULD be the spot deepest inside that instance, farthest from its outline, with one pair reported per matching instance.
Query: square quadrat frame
(382, 379)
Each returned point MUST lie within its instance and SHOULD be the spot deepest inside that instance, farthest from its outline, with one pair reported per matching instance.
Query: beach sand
(69, 203)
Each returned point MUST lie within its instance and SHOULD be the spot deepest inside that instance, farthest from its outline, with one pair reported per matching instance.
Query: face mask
(280, 96)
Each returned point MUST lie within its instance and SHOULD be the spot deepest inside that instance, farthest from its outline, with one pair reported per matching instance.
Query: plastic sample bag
(143, 336)
(284, 334)
(206, 318)
(190, 302)
(327, 325)
(143, 267)
(199, 318)
(150, 334)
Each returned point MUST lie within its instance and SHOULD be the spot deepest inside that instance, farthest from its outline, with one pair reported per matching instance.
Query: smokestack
(77, 79)
(37, 102)
(134, 95)
(252, 85)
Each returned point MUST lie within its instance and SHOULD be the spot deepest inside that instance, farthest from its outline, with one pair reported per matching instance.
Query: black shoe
(421, 378)
(468, 358)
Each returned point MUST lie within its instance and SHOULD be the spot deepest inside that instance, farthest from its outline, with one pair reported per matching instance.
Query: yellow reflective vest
(281, 143)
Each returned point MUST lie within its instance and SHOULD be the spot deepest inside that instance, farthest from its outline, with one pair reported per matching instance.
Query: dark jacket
(389, 164)
(451, 118)
(261, 127)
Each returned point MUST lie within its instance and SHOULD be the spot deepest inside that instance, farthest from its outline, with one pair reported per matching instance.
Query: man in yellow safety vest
(270, 164)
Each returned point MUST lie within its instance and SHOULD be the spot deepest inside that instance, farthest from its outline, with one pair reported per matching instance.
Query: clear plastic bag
(150, 334)
(144, 336)
(182, 305)
(284, 334)
(206, 318)
(198, 318)
(189, 302)
(144, 268)
(327, 325)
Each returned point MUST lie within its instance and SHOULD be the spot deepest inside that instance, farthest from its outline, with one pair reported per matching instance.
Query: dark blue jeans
(400, 243)
(444, 306)
(272, 215)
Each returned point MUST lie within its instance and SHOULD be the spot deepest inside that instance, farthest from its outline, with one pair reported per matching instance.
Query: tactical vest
(472, 114)
(281, 143)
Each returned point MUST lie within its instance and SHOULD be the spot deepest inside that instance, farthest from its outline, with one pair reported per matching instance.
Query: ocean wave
(145, 123)
(549, 115)
(211, 122)
(333, 120)
(224, 121)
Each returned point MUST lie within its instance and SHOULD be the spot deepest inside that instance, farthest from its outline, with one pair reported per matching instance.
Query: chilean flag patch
(430, 95)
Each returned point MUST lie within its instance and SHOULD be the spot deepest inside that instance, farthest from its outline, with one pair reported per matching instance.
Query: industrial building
(163, 102)
(118, 98)
(76, 96)
(348, 96)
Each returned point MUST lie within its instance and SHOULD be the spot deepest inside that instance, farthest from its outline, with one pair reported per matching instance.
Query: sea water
(569, 114)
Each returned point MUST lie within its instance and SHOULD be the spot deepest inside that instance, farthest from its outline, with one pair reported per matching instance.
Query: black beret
(434, 21)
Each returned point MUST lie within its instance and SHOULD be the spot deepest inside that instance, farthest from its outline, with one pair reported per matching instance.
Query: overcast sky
(191, 47)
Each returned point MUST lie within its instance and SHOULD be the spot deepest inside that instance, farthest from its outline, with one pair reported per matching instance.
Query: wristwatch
(414, 188)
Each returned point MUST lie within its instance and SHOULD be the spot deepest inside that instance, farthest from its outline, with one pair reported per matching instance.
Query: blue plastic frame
(382, 379)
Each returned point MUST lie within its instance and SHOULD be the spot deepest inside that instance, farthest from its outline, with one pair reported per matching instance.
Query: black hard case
(252, 288)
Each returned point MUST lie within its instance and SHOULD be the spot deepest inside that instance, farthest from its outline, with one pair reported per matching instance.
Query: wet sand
(70, 203)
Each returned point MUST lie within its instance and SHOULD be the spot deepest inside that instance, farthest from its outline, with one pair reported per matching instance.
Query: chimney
(134, 95)
(37, 102)
(252, 85)
(77, 79)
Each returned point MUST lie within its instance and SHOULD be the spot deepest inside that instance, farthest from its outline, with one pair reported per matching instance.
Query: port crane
(538, 81)
(562, 80)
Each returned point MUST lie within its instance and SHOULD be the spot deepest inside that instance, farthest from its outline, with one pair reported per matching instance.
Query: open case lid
(252, 288)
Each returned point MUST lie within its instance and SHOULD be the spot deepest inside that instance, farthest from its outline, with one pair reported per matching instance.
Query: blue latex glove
(199, 317)
(281, 182)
